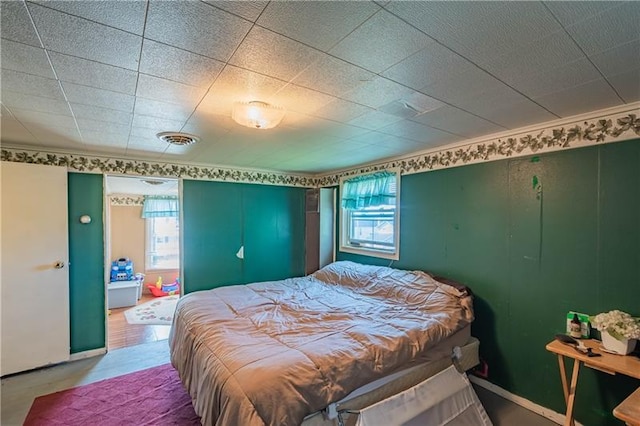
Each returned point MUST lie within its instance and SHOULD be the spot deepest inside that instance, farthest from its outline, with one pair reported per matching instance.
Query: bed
(292, 352)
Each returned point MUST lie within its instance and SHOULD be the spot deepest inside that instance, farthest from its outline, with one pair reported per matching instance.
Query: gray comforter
(273, 352)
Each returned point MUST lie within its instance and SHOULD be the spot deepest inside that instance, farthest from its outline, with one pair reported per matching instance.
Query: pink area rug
(148, 397)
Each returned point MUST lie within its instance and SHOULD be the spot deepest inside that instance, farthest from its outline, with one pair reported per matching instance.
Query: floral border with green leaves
(126, 200)
(549, 139)
(91, 164)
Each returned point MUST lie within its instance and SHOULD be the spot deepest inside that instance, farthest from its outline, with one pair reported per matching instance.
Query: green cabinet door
(212, 226)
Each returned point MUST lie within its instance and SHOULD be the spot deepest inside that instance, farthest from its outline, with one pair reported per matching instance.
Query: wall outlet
(584, 323)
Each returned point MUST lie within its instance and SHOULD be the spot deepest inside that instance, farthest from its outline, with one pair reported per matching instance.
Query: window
(370, 214)
(163, 232)
(163, 243)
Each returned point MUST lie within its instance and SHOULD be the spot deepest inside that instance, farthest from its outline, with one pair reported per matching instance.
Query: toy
(164, 289)
(122, 269)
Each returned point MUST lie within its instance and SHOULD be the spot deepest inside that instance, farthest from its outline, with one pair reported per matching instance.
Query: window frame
(147, 245)
(345, 225)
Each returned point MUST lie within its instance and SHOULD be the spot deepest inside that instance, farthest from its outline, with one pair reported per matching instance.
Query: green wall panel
(221, 217)
(273, 232)
(212, 226)
(531, 253)
(86, 258)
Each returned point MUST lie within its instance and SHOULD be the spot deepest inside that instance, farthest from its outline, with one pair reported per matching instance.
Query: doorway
(142, 258)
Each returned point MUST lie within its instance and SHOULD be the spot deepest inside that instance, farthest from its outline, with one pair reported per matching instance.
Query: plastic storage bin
(123, 293)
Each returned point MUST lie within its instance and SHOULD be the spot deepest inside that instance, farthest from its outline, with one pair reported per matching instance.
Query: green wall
(220, 217)
(86, 258)
(532, 254)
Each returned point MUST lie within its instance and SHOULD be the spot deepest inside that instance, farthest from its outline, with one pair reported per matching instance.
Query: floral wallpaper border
(574, 135)
(95, 164)
(126, 200)
(612, 128)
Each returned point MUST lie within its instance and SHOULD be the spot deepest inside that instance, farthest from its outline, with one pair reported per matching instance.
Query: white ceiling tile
(418, 132)
(209, 127)
(16, 25)
(274, 55)
(102, 140)
(196, 27)
(161, 60)
(300, 99)
(43, 118)
(616, 26)
(454, 120)
(374, 120)
(545, 55)
(35, 103)
(567, 75)
(333, 76)
(411, 105)
(428, 66)
(627, 84)
(98, 97)
(14, 131)
(25, 58)
(512, 114)
(618, 59)
(381, 42)
(238, 85)
(157, 124)
(579, 99)
(377, 92)
(479, 30)
(58, 137)
(95, 126)
(162, 109)
(339, 110)
(168, 91)
(124, 15)
(248, 9)
(31, 84)
(570, 12)
(143, 133)
(320, 24)
(457, 88)
(94, 74)
(384, 139)
(91, 112)
(78, 37)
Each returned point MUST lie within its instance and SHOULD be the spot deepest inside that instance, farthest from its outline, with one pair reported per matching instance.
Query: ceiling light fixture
(154, 182)
(177, 138)
(257, 115)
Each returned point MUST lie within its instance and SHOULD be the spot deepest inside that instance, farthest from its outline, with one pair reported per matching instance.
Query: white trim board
(87, 354)
(523, 402)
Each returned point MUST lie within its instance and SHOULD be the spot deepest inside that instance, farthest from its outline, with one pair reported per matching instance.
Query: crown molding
(594, 128)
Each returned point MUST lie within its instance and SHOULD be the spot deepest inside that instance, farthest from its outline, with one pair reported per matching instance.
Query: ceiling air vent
(177, 138)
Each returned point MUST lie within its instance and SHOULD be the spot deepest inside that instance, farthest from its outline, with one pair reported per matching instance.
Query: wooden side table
(607, 363)
(629, 410)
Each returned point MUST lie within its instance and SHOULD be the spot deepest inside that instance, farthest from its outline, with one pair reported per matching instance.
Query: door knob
(59, 264)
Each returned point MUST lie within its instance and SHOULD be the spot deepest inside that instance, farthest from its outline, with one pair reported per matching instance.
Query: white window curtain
(369, 190)
(160, 206)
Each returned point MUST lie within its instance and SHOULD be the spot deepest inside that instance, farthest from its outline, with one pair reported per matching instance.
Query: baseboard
(87, 354)
(523, 402)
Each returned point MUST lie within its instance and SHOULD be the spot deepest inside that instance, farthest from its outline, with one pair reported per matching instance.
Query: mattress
(274, 352)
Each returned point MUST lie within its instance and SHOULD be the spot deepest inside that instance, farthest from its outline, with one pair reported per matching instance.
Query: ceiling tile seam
(20, 122)
(226, 64)
(231, 13)
(583, 52)
(473, 63)
(135, 97)
(55, 74)
(43, 4)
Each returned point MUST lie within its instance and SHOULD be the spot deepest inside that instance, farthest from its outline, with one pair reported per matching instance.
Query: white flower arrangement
(620, 325)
